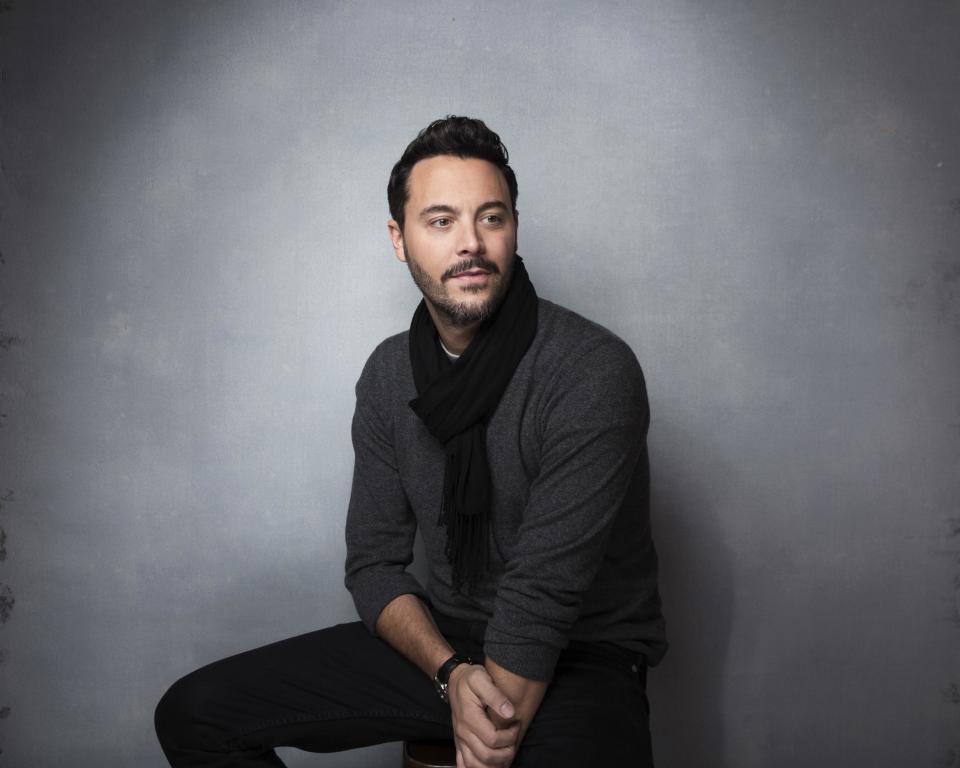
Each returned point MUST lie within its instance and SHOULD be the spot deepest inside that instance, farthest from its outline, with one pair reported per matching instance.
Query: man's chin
(463, 314)
(470, 304)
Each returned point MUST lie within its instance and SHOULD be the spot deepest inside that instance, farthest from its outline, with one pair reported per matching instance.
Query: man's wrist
(441, 680)
(455, 674)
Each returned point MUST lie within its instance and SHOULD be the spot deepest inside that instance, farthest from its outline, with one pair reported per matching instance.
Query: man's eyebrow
(430, 210)
(494, 204)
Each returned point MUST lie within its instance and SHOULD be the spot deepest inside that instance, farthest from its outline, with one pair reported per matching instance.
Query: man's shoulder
(565, 336)
(386, 367)
(392, 349)
(557, 319)
(586, 373)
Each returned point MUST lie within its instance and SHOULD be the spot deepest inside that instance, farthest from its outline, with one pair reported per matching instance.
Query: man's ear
(396, 239)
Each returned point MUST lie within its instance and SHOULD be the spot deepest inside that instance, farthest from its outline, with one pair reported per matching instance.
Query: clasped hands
(485, 729)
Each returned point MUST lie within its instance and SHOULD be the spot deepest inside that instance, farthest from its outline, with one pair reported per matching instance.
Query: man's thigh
(595, 712)
(329, 690)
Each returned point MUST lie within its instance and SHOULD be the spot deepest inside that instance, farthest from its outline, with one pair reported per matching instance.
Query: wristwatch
(442, 679)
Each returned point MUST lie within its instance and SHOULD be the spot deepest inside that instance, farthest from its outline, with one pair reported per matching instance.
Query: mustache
(477, 262)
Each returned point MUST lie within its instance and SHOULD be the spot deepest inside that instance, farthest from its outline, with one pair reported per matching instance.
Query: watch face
(441, 690)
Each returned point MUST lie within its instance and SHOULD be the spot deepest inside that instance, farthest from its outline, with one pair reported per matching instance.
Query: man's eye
(493, 218)
(442, 222)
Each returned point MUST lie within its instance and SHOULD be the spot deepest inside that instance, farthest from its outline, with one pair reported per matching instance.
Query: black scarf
(455, 403)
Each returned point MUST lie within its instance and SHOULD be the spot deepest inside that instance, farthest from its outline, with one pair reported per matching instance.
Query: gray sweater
(571, 557)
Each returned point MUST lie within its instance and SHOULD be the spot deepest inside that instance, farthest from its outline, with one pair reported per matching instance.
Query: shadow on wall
(686, 689)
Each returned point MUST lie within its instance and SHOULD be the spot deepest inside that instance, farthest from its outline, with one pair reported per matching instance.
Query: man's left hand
(474, 703)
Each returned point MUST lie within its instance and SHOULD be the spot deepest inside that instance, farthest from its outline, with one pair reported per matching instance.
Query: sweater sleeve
(594, 421)
(380, 525)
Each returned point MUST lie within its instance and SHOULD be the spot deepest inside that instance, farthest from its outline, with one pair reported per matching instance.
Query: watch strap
(442, 679)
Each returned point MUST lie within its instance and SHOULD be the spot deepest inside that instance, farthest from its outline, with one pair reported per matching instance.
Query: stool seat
(429, 754)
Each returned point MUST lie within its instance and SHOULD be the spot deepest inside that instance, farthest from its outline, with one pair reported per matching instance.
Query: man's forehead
(450, 176)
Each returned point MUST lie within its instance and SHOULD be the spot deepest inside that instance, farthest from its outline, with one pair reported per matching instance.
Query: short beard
(459, 314)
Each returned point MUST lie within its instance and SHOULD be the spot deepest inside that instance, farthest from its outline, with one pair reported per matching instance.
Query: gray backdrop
(762, 198)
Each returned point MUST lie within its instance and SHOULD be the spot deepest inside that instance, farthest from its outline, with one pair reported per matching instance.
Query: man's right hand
(479, 742)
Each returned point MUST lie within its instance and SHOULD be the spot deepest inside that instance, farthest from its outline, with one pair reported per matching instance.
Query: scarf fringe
(465, 512)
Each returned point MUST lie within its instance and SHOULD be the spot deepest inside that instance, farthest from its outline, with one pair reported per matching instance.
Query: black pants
(341, 688)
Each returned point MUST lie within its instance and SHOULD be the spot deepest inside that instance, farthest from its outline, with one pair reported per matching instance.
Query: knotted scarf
(456, 401)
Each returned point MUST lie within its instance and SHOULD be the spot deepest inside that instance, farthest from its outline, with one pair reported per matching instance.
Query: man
(511, 433)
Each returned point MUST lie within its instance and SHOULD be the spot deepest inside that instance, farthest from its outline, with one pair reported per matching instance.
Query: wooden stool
(429, 754)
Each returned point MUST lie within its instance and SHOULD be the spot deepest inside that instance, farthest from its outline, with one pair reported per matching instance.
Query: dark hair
(460, 136)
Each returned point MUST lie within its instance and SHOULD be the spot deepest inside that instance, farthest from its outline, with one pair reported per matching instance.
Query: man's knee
(179, 718)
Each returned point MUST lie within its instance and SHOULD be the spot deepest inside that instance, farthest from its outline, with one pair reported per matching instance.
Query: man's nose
(469, 241)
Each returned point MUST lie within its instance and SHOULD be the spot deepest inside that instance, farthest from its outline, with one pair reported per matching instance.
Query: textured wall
(762, 198)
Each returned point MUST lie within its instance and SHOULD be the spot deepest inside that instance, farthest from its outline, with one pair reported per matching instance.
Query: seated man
(511, 432)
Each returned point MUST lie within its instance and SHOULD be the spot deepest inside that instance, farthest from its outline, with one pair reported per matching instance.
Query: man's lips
(472, 275)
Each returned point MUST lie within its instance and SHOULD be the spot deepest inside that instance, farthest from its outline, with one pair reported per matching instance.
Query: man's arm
(406, 624)
(380, 527)
(593, 425)
(485, 729)
(594, 437)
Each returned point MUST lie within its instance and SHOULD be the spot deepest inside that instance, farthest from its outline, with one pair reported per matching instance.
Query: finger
(473, 760)
(474, 720)
(492, 734)
(467, 756)
(491, 696)
(460, 763)
(477, 753)
(507, 736)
